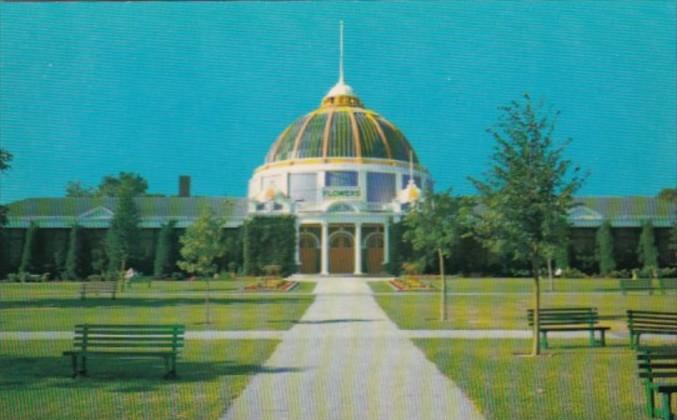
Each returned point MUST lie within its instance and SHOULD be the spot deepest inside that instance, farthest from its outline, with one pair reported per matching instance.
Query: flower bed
(410, 283)
(271, 285)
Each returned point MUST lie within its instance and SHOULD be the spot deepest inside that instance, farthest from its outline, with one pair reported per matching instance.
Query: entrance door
(375, 253)
(341, 253)
(309, 253)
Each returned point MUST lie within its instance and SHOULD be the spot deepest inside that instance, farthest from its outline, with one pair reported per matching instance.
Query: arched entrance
(374, 245)
(341, 252)
(309, 253)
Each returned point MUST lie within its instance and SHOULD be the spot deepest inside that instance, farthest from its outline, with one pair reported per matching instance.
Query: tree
(74, 256)
(201, 246)
(604, 250)
(527, 192)
(112, 186)
(434, 227)
(646, 250)
(77, 189)
(668, 194)
(5, 158)
(164, 251)
(122, 237)
(28, 257)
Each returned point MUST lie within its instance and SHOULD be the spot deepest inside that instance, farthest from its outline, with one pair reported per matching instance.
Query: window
(341, 179)
(380, 187)
(303, 187)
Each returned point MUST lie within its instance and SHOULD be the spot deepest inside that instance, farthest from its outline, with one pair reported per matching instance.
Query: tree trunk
(209, 314)
(123, 263)
(552, 285)
(536, 342)
(443, 300)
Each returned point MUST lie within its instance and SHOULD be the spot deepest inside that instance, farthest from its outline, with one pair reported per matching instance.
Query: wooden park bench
(667, 284)
(650, 322)
(126, 342)
(98, 287)
(568, 319)
(627, 285)
(658, 371)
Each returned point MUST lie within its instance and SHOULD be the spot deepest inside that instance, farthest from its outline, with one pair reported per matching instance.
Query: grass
(508, 311)
(29, 290)
(35, 382)
(574, 382)
(514, 285)
(57, 307)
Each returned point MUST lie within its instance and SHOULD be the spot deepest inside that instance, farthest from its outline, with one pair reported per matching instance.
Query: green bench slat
(121, 338)
(132, 326)
(651, 312)
(124, 331)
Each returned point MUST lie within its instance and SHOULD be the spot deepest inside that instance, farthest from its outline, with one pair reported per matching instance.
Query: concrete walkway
(346, 360)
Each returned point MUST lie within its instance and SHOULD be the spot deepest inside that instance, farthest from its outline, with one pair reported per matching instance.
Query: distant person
(129, 274)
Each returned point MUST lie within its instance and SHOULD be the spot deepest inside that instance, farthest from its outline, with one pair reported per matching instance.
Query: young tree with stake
(527, 191)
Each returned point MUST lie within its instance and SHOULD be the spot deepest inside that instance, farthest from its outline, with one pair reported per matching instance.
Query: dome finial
(340, 53)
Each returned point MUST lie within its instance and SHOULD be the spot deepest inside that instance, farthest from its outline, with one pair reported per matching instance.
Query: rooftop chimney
(184, 186)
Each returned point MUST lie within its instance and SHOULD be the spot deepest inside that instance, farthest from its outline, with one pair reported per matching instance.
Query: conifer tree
(28, 262)
(646, 250)
(605, 249)
(164, 251)
(74, 262)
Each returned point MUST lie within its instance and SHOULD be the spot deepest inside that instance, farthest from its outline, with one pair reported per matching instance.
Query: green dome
(339, 131)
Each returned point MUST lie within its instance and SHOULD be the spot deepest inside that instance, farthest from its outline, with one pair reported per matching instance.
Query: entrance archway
(374, 245)
(341, 252)
(309, 253)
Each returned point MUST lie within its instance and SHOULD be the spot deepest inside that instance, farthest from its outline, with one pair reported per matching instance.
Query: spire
(341, 81)
(341, 94)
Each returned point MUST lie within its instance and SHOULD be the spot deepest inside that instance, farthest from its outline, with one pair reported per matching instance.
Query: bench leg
(602, 339)
(170, 363)
(665, 406)
(544, 340)
(650, 406)
(83, 369)
(74, 361)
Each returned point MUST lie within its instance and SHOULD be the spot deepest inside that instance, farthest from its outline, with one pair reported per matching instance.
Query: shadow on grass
(133, 302)
(117, 375)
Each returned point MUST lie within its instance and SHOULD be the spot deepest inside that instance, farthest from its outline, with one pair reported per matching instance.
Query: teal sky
(163, 89)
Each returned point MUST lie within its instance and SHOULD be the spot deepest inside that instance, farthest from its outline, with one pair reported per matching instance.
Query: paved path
(346, 360)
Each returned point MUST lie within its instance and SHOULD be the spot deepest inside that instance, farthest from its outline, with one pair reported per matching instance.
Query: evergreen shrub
(270, 240)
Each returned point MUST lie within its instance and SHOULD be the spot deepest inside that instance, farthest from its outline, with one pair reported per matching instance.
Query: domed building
(345, 172)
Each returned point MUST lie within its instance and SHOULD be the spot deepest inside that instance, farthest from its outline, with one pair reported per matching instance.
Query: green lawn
(57, 307)
(29, 290)
(574, 382)
(35, 382)
(508, 311)
(514, 285)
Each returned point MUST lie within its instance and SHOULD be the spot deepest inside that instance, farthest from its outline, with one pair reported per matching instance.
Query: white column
(324, 270)
(358, 248)
(386, 243)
